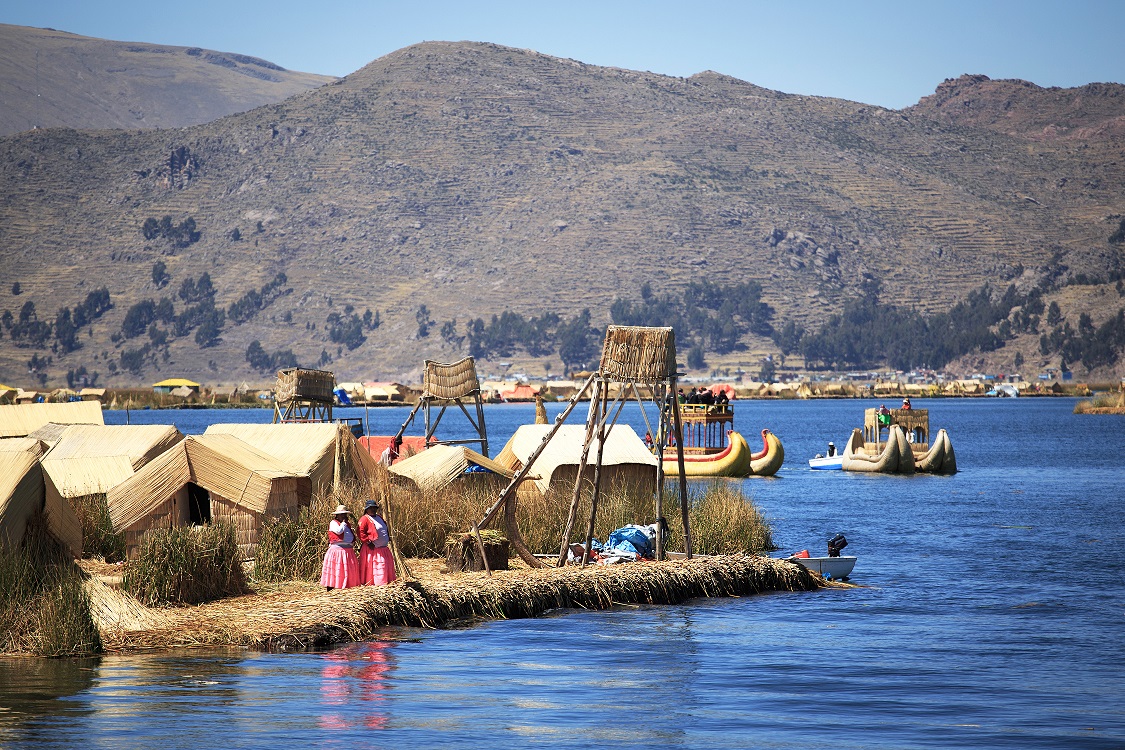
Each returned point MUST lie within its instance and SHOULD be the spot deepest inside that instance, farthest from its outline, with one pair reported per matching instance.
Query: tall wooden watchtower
(445, 385)
(303, 395)
(632, 357)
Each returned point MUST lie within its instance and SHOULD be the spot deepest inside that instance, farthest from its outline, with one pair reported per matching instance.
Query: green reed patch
(186, 565)
(44, 608)
(98, 537)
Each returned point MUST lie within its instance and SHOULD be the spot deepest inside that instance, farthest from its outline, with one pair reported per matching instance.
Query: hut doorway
(199, 505)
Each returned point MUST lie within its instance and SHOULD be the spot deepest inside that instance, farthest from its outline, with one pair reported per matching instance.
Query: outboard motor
(835, 544)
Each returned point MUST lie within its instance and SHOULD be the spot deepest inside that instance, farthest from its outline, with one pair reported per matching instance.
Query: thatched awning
(19, 420)
(438, 466)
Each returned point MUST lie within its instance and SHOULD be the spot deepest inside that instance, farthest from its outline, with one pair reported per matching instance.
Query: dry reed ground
(299, 615)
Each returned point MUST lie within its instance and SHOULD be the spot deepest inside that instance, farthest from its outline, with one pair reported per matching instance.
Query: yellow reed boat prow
(713, 449)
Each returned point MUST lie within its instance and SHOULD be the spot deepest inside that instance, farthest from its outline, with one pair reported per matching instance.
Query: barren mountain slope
(474, 178)
(53, 79)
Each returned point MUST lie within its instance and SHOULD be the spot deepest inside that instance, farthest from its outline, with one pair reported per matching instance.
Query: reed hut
(625, 459)
(91, 459)
(23, 493)
(206, 478)
(439, 466)
(326, 452)
(20, 420)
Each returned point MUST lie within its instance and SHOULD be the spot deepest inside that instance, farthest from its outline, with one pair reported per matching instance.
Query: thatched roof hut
(325, 452)
(91, 459)
(203, 478)
(440, 465)
(23, 493)
(20, 420)
(625, 458)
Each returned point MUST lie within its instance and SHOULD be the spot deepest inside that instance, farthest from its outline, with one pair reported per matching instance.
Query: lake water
(990, 613)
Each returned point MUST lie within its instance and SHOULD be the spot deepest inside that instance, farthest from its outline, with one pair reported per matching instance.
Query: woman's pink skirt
(376, 565)
(339, 570)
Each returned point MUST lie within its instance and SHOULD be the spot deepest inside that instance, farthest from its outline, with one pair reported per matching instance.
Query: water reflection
(354, 686)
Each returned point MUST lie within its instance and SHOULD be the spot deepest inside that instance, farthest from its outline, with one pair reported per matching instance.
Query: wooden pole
(559, 420)
(572, 516)
(661, 431)
(678, 427)
(597, 475)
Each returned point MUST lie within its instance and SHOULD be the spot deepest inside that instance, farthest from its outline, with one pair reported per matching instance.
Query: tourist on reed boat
(376, 564)
(340, 570)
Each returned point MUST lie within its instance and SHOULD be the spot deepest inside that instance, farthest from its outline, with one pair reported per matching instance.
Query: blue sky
(886, 53)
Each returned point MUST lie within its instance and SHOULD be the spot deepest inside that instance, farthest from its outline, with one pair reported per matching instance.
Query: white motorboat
(836, 568)
(827, 462)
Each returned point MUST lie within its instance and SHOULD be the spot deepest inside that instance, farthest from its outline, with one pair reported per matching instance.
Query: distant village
(520, 387)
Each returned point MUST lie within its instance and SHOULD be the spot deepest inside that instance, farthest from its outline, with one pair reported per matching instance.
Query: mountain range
(452, 181)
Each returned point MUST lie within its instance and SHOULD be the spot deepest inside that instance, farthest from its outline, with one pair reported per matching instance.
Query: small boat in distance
(821, 463)
(836, 568)
(833, 461)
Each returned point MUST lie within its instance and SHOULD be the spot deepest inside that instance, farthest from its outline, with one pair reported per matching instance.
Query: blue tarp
(342, 397)
(631, 538)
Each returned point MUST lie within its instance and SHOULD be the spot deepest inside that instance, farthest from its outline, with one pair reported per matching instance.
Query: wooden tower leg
(601, 417)
(661, 431)
(573, 515)
(678, 427)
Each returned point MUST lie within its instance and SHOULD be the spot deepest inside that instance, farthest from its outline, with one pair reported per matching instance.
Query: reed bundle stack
(304, 616)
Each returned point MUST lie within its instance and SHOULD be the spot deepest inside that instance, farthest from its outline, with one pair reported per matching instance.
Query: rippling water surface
(991, 613)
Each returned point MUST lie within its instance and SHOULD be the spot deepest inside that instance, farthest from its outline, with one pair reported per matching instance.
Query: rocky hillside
(52, 79)
(473, 179)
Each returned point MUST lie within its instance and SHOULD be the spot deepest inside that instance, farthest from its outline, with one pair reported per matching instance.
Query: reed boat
(712, 448)
(897, 441)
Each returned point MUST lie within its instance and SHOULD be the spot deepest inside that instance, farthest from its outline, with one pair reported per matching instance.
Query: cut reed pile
(304, 616)
(44, 608)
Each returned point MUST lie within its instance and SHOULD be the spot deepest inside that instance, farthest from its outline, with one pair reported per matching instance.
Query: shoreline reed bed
(1109, 402)
(186, 565)
(301, 616)
(723, 521)
(44, 607)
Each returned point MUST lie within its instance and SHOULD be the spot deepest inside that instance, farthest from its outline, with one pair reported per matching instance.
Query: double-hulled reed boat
(897, 441)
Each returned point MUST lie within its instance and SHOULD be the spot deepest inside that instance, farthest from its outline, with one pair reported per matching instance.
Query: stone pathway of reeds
(302, 615)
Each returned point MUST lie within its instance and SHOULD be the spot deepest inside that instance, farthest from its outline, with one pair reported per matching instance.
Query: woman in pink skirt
(339, 570)
(376, 564)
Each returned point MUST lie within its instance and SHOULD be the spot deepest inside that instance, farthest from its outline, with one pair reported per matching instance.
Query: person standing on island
(339, 570)
(376, 564)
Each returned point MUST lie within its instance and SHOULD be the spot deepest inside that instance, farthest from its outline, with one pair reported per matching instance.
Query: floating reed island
(301, 615)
